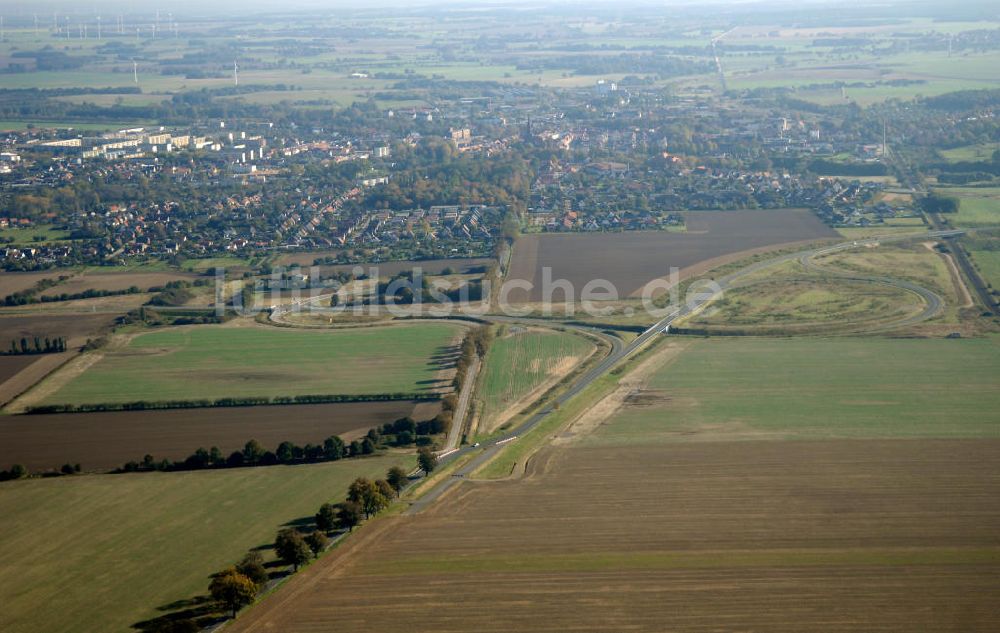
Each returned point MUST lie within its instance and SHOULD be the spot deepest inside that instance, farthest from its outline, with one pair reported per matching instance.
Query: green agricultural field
(756, 389)
(34, 234)
(971, 153)
(101, 552)
(520, 362)
(979, 206)
(989, 266)
(213, 362)
(92, 127)
(863, 232)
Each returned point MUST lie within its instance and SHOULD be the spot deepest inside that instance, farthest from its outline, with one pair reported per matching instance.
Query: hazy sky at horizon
(28, 7)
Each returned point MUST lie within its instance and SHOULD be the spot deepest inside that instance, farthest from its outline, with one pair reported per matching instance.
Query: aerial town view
(456, 316)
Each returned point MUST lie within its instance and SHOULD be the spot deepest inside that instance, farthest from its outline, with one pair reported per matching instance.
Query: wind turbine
(236, 73)
(135, 71)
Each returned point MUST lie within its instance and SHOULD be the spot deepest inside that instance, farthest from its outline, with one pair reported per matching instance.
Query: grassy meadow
(215, 362)
(98, 553)
(979, 206)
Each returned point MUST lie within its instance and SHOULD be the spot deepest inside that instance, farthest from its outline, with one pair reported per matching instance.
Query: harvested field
(77, 328)
(39, 367)
(118, 281)
(861, 498)
(104, 441)
(760, 536)
(632, 259)
(80, 281)
(10, 366)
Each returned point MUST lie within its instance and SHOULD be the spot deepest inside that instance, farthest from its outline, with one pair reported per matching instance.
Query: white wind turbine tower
(236, 73)
(135, 71)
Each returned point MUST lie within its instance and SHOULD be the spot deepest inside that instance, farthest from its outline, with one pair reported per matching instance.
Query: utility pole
(885, 148)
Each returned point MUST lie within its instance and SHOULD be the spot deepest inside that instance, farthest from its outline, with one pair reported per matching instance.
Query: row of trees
(18, 471)
(40, 346)
(474, 345)
(935, 202)
(246, 401)
(403, 432)
(239, 585)
(22, 298)
(254, 454)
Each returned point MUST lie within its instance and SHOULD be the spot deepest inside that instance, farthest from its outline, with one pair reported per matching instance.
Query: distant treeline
(25, 297)
(150, 405)
(823, 167)
(964, 100)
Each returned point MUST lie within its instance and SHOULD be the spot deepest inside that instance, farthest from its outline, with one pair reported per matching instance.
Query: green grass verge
(101, 552)
(221, 361)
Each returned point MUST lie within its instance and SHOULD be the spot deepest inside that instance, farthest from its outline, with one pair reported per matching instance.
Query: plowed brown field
(838, 535)
(103, 441)
(631, 259)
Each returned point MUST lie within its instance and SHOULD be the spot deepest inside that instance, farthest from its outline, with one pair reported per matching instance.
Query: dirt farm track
(840, 535)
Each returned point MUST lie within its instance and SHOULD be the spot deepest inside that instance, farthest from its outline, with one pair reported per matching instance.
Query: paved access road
(490, 448)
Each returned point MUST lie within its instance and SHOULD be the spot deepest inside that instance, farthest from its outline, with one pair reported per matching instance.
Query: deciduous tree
(291, 548)
(317, 542)
(326, 518)
(397, 478)
(426, 460)
(348, 515)
(233, 589)
(252, 566)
